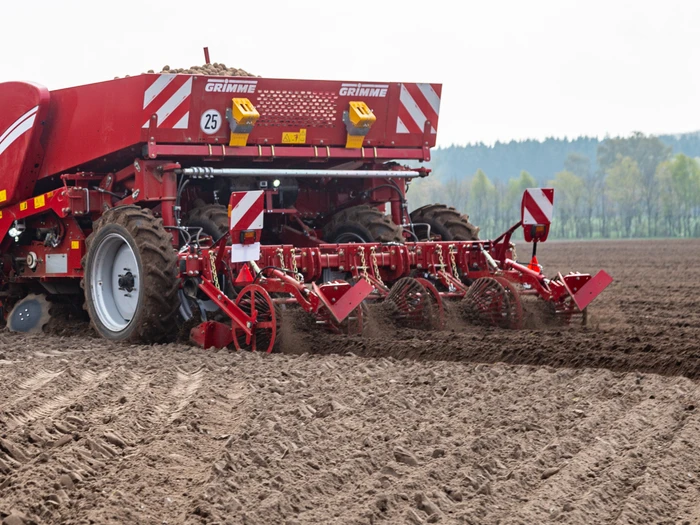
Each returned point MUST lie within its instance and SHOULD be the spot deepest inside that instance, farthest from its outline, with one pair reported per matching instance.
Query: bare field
(478, 426)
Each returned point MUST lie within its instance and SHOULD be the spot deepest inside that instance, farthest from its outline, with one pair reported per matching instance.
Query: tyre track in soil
(317, 491)
(556, 444)
(186, 386)
(88, 443)
(44, 394)
(495, 472)
(21, 389)
(33, 430)
(87, 381)
(671, 477)
(161, 454)
(581, 489)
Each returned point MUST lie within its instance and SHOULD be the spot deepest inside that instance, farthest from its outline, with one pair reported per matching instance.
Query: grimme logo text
(230, 86)
(363, 90)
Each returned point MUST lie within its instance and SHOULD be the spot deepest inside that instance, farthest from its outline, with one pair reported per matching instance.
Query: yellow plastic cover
(244, 113)
(360, 115)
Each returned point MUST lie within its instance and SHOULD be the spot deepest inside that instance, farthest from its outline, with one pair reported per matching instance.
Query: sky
(510, 69)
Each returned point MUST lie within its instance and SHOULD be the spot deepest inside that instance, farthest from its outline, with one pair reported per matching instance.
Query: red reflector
(248, 237)
(244, 276)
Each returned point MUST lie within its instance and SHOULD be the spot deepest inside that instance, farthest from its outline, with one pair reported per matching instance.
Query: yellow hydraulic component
(360, 115)
(241, 117)
(358, 121)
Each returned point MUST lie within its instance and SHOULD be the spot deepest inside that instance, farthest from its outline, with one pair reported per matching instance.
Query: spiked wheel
(410, 304)
(494, 301)
(256, 302)
(354, 324)
(438, 320)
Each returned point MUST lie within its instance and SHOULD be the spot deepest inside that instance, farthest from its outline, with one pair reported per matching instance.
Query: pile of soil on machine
(470, 424)
(206, 69)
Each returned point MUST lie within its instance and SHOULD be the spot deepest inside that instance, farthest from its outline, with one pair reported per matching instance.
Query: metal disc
(29, 315)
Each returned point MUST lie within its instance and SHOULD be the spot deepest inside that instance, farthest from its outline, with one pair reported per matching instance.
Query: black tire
(212, 218)
(214, 222)
(155, 314)
(444, 221)
(362, 224)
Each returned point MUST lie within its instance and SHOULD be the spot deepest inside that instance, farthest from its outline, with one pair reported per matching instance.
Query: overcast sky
(510, 69)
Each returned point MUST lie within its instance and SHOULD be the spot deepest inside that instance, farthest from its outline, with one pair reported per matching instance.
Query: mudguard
(23, 110)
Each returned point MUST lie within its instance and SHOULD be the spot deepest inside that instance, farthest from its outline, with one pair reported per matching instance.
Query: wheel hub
(127, 281)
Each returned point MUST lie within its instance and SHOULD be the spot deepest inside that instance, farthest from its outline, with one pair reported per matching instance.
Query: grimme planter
(217, 201)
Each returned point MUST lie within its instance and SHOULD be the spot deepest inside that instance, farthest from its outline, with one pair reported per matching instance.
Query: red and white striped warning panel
(168, 97)
(247, 209)
(538, 206)
(417, 104)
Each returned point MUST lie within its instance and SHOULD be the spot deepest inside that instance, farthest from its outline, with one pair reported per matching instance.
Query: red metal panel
(211, 334)
(312, 153)
(592, 289)
(23, 109)
(100, 126)
(289, 106)
(341, 298)
(93, 122)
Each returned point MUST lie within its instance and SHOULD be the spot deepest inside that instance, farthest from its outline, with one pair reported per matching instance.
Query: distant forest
(637, 186)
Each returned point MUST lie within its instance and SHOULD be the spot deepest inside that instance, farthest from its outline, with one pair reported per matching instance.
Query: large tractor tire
(131, 277)
(212, 218)
(362, 224)
(444, 221)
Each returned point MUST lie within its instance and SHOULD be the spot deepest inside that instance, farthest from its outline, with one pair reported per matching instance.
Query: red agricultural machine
(164, 199)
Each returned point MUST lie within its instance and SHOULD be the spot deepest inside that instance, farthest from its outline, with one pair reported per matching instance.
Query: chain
(438, 249)
(375, 266)
(364, 263)
(299, 277)
(453, 260)
(214, 275)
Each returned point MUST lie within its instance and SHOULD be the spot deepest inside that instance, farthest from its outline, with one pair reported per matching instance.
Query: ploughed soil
(471, 425)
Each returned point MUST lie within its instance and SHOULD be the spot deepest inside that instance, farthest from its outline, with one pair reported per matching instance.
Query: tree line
(633, 187)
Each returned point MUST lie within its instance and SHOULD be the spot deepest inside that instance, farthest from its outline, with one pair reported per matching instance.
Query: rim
(115, 282)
